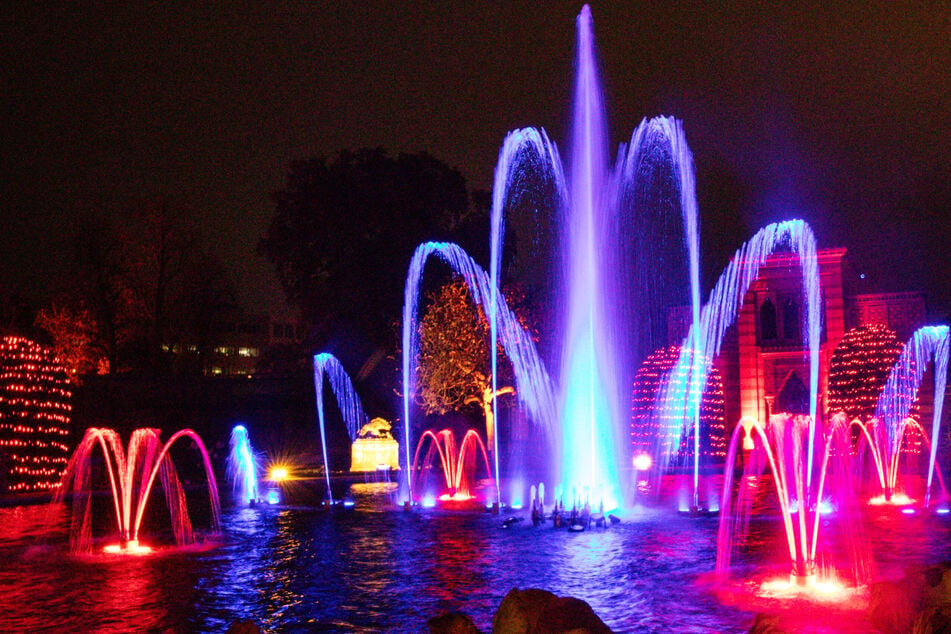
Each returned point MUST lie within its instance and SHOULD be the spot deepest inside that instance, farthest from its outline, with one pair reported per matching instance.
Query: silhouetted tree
(134, 288)
(344, 230)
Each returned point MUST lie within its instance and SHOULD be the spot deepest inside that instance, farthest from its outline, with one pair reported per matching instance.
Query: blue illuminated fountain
(242, 467)
(328, 366)
(598, 210)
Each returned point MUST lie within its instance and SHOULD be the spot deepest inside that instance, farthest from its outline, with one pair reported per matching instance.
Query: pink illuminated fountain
(458, 463)
(782, 447)
(131, 476)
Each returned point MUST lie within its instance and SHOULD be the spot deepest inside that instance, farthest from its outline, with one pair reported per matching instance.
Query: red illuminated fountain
(131, 475)
(458, 464)
(808, 501)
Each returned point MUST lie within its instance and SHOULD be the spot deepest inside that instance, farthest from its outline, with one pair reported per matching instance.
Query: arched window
(793, 398)
(767, 321)
(791, 320)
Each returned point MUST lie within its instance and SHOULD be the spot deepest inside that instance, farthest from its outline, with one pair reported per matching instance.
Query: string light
(648, 416)
(858, 371)
(35, 413)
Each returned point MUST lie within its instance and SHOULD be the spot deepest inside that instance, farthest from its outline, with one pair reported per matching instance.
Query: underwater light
(908, 511)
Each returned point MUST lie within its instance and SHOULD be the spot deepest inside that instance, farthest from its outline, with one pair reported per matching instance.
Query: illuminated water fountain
(681, 395)
(131, 476)
(459, 463)
(885, 436)
(781, 449)
(600, 212)
(242, 467)
(328, 366)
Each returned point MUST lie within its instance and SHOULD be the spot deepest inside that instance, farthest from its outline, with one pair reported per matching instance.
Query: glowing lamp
(278, 474)
(643, 462)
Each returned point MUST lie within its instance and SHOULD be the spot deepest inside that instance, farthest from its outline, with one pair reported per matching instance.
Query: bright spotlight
(278, 474)
(642, 462)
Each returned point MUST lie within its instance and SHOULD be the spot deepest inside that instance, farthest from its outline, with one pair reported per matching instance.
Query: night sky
(839, 115)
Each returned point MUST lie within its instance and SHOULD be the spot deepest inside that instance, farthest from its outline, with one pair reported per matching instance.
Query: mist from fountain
(781, 447)
(131, 476)
(886, 455)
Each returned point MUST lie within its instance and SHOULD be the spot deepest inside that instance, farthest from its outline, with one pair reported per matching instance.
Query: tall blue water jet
(242, 468)
(604, 257)
(720, 313)
(589, 398)
(532, 384)
(327, 365)
(901, 389)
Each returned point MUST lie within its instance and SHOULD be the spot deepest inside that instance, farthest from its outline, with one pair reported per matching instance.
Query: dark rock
(452, 623)
(767, 624)
(570, 615)
(535, 611)
(920, 602)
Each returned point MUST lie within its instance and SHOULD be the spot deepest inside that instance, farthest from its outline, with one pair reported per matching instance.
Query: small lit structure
(375, 449)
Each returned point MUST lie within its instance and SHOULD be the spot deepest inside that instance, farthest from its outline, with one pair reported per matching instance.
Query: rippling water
(373, 569)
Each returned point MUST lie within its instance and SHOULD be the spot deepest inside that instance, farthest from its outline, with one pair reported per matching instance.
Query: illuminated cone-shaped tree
(651, 420)
(34, 416)
(859, 368)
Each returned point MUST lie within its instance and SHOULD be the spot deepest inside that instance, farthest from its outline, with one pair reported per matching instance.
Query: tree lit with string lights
(651, 419)
(34, 416)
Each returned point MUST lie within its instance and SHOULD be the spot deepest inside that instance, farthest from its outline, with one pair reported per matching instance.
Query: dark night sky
(838, 114)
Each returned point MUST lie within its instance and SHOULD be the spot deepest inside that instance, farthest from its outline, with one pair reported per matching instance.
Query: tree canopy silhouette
(344, 230)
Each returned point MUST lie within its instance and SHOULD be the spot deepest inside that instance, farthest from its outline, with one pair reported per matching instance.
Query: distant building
(235, 346)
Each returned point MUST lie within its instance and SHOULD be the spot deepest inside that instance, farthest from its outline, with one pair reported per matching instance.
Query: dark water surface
(380, 569)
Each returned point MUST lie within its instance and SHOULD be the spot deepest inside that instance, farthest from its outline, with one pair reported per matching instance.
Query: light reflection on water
(304, 569)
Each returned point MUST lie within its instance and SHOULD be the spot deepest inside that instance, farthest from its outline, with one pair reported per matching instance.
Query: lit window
(247, 352)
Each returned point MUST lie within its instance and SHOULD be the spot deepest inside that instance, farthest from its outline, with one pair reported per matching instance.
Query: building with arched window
(764, 361)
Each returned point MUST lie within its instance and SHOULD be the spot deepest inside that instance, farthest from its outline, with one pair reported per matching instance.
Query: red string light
(34, 415)
(648, 416)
